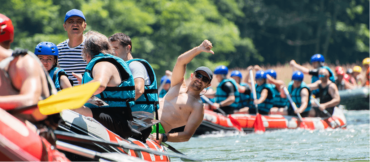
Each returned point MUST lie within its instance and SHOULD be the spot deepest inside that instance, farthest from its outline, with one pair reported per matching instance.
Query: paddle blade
(69, 98)
(258, 124)
(235, 123)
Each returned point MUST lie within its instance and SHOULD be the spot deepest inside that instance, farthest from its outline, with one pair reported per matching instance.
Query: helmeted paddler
(227, 93)
(300, 94)
(47, 52)
(265, 95)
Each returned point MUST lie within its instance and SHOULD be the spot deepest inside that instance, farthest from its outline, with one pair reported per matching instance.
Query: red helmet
(6, 29)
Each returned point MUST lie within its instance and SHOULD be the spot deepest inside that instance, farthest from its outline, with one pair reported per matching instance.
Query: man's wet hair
(96, 43)
(123, 39)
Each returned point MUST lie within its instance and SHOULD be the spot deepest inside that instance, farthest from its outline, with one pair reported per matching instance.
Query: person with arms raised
(328, 94)
(300, 94)
(317, 61)
(117, 86)
(182, 104)
(47, 52)
(227, 93)
(70, 50)
(279, 101)
(244, 89)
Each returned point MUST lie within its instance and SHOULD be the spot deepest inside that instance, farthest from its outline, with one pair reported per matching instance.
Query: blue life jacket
(268, 103)
(162, 93)
(296, 95)
(122, 96)
(148, 101)
(277, 100)
(245, 99)
(222, 96)
(55, 74)
(315, 78)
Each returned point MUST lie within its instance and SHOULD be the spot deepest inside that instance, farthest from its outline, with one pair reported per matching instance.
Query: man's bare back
(178, 106)
(25, 85)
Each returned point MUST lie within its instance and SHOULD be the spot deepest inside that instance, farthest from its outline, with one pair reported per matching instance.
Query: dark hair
(123, 39)
(96, 43)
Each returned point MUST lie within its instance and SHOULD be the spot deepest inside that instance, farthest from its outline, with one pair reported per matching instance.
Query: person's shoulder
(62, 44)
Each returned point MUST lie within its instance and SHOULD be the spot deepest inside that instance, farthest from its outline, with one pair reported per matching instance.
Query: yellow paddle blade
(69, 98)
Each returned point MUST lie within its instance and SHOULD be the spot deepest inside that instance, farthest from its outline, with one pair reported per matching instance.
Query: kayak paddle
(95, 155)
(69, 98)
(328, 114)
(233, 121)
(302, 123)
(61, 135)
(258, 123)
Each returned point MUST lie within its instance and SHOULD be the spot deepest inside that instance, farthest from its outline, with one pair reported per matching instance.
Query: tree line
(243, 32)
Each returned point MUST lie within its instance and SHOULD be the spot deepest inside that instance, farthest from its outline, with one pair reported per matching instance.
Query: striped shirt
(70, 60)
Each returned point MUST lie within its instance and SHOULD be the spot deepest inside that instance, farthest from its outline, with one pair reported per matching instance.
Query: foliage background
(243, 32)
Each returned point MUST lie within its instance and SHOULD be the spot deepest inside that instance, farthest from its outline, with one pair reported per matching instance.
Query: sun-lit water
(351, 144)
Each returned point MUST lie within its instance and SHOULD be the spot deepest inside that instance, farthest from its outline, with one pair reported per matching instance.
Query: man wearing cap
(182, 104)
(70, 50)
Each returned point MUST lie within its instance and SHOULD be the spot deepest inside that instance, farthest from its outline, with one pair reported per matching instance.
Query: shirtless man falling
(182, 104)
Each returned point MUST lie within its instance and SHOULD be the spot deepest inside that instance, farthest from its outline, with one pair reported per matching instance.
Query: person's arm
(299, 67)
(138, 71)
(64, 82)
(228, 87)
(278, 84)
(29, 72)
(334, 93)
(314, 86)
(103, 75)
(185, 58)
(263, 97)
(304, 100)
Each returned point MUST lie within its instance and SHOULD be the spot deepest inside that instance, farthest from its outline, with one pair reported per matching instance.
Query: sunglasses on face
(322, 76)
(202, 77)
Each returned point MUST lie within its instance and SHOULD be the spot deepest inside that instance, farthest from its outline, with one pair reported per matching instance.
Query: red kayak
(79, 124)
(20, 143)
(214, 122)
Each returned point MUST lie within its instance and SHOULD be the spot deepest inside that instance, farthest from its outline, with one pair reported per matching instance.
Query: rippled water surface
(351, 144)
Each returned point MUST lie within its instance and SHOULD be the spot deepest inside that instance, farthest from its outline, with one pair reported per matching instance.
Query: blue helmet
(271, 72)
(223, 70)
(317, 58)
(298, 75)
(166, 80)
(236, 73)
(260, 74)
(46, 48)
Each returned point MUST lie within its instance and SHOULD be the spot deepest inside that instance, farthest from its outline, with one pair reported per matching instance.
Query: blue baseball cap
(74, 12)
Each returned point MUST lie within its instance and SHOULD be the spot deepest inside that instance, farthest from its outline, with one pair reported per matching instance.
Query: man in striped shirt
(70, 50)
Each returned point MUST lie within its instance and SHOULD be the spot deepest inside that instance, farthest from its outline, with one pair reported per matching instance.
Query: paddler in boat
(227, 93)
(47, 52)
(351, 77)
(366, 65)
(280, 101)
(117, 86)
(328, 94)
(317, 61)
(166, 81)
(357, 75)
(300, 94)
(265, 95)
(245, 91)
(146, 90)
(24, 82)
(341, 80)
(182, 104)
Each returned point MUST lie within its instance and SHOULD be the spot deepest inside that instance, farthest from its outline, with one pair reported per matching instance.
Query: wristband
(164, 138)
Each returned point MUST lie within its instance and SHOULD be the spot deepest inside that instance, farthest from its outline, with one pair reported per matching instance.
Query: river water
(350, 144)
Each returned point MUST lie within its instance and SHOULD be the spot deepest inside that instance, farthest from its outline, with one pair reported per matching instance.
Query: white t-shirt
(138, 70)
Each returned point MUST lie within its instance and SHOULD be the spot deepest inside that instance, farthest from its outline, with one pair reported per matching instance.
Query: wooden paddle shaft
(292, 103)
(251, 76)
